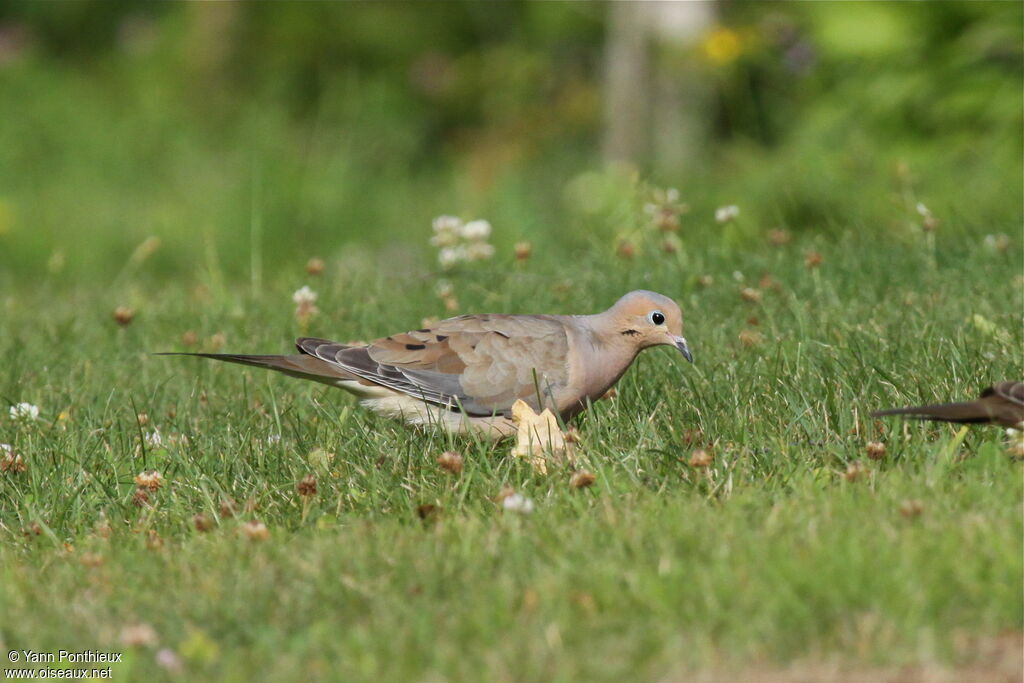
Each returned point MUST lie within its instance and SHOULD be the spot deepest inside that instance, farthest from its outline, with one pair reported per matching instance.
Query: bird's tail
(300, 365)
(968, 412)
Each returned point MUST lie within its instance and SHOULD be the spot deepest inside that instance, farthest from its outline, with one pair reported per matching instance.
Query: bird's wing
(477, 364)
(1008, 391)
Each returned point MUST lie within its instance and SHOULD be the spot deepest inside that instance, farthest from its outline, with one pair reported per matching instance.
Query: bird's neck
(610, 353)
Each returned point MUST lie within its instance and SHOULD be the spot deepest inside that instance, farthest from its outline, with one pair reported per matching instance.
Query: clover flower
(727, 214)
(24, 412)
(459, 242)
(305, 303)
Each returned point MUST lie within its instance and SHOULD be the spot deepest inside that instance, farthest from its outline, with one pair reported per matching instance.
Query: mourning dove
(1001, 403)
(467, 372)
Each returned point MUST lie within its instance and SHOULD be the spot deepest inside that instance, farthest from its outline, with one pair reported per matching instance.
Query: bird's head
(646, 319)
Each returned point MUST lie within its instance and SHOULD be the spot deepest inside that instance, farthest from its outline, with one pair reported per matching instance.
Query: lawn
(792, 548)
(746, 520)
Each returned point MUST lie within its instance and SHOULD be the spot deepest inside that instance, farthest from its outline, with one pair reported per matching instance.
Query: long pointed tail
(301, 366)
(969, 412)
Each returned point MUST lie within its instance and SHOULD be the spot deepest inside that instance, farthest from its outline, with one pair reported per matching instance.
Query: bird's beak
(683, 347)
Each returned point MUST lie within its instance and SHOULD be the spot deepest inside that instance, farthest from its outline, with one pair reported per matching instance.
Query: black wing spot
(630, 333)
(500, 334)
(415, 347)
(442, 337)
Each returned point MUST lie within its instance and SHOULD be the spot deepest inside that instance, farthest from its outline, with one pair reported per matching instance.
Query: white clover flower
(24, 411)
(449, 256)
(479, 251)
(923, 210)
(154, 439)
(443, 289)
(727, 214)
(447, 224)
(671, 195)
(476, 231)
(304, 296)
(273, 439)
(518, 503)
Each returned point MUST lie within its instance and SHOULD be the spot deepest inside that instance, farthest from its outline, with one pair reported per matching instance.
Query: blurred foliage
(244, 132)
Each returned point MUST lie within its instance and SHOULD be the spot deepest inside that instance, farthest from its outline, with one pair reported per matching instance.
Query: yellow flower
(722, 46)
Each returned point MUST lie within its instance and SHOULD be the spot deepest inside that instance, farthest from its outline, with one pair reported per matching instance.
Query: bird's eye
(658, 318)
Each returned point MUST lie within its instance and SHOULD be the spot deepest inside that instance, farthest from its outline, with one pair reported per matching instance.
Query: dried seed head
(667, 219)
(189, 339)
(102, 528)
(609, 395)
(700, 458)
(855, 470)
(202, 523)
(523, 251)
(625, 250)
(10, 461)
(307, 486)
(123, 315)
(140, 498)
(530, 600)
(911, 508)
(572, 435)
(428, 511)
(91, 560)
(750, 338)
(779, 237)
(450, 461)
(705, 281)
(671, 244)
(813, 259)
(504, 493)
(255, 530)
(217, 341)
(751, 295)
(138, 635)
(315, 266)
(228, 507)
(582, 479)
(142, 419)
(151, 480)
(875, 450)
(153, 540)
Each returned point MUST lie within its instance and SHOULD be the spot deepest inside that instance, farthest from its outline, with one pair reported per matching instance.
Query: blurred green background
(247, 135)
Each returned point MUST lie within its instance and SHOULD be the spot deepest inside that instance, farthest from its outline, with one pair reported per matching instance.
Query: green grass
(768, 557)
(770, 560)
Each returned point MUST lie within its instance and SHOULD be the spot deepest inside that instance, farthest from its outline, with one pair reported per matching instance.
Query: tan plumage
(1001, 403)
(467, 372)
